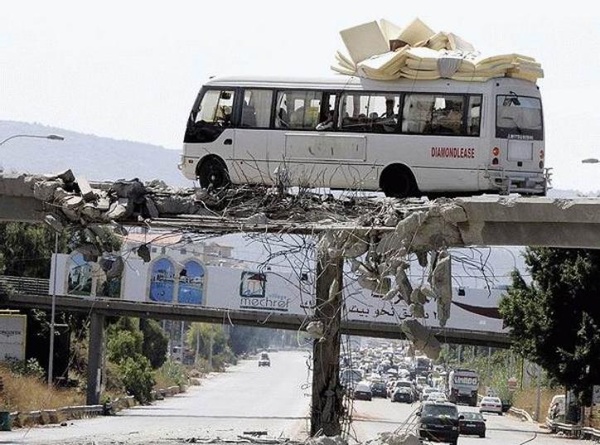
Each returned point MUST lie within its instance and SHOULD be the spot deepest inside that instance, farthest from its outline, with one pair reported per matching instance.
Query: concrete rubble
(74, 200)
(379, 260)
(395, 438)
(378, 236)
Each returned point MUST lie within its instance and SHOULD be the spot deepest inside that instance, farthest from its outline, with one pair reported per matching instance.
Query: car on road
(491, 405)
(402, 394)
(362, 391)
(379, 389)
(264, 359)
(472, 423)
(405, 384)
(437, 396)
(439, 422)
(427, 391)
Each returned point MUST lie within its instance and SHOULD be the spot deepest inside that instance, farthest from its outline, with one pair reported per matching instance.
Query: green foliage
(29, 368)
(555, 321)
(123, 344)
(155, 342)
(173, 373)
(243, 339)
(136, 375)
(26, 249)
(494, 366)
(124, 349)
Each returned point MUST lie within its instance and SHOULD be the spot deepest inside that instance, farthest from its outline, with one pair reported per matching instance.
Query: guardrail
(50, 416)
(521, 413)
(573, 430)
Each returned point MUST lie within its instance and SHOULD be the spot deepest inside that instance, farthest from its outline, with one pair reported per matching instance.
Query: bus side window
(303, 109)
(417, 113)
(248, 115)
(214, 107)
(474, 116)
(256, 108)
(282, 117)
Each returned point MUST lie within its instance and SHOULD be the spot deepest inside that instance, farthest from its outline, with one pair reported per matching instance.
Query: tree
(124, 348)
(26, 249)
(244, 339)
(555, 320)
(155, 343)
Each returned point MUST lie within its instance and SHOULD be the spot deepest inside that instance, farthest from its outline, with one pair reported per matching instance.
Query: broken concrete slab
(44, 190)
(85, 190)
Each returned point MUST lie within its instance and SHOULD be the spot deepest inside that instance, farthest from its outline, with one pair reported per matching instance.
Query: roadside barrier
(53, 416)
(573, 430)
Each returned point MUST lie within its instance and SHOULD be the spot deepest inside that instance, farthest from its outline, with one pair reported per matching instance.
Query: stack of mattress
(384, 51)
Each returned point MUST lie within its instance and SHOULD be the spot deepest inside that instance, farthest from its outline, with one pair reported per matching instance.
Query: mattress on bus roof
(364, 41)
(425, 55)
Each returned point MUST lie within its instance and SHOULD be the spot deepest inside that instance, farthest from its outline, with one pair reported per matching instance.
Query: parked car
(362, 391)
(491, 405)
(471, 423)
(439, 422)
(264, 359)
(402, 394)
(378, 389)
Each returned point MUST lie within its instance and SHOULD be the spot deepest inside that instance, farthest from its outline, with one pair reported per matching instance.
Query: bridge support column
(327, 394)
(95, 355)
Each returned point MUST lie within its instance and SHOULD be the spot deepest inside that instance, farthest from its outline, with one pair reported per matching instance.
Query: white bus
(405, 137)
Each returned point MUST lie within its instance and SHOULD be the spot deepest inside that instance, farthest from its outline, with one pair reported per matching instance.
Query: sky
(130, 70)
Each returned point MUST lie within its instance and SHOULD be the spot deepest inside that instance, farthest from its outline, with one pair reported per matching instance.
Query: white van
(556, 410)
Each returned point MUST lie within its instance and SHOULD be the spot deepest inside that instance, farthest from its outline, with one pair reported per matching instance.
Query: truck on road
(463, 386)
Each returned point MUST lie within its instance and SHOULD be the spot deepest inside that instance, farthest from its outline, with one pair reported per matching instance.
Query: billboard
(13, 334)
(189, 282)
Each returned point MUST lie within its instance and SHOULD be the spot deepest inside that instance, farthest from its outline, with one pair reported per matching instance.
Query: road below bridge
(250, 398)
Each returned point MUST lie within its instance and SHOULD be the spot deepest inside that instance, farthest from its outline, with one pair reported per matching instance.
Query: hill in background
(93, 157)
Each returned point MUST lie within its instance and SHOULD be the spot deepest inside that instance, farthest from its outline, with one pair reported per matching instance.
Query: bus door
(251, 136)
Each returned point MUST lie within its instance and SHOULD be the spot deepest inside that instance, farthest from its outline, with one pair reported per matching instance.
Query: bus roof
(341, 82)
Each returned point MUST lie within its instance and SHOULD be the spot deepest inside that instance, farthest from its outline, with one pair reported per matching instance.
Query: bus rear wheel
(398, 182)
(213, 174)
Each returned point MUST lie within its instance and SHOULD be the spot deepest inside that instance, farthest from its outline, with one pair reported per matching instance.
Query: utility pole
(327, 394)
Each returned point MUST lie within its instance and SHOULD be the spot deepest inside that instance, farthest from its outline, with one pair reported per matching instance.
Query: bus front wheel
(213, 174)
(398, 181)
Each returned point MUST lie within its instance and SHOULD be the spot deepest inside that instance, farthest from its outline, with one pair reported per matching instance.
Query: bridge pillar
(327, 394)
(95, 355)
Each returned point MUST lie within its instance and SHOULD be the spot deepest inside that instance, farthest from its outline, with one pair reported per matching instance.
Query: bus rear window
(519, 117)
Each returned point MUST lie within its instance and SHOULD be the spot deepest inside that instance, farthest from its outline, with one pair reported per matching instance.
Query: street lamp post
(53, 314)
(52, 137)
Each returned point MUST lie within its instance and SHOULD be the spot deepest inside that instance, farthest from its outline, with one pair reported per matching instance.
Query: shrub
(29, 368)
(136, 375)
(171, 373)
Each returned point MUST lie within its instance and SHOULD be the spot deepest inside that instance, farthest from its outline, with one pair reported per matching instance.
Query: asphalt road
(274, 400)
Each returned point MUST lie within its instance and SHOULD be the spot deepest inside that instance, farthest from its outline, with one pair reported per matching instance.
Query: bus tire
(212, 173)
(397, 181)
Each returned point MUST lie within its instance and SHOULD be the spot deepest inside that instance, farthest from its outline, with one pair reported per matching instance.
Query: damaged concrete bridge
(474, 221)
